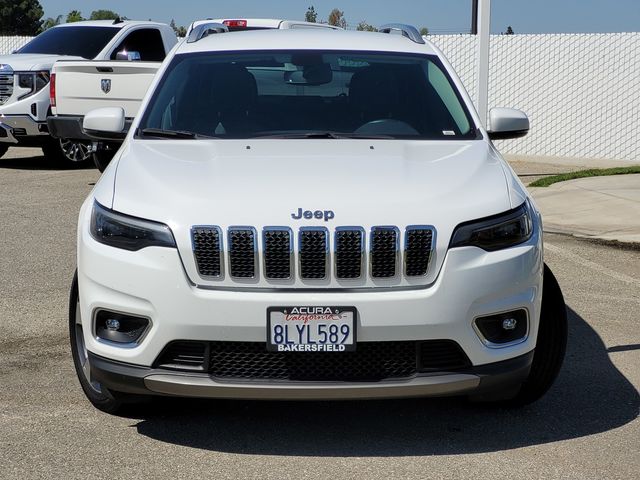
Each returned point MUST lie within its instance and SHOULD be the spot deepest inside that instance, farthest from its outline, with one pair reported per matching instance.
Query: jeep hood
(262, 182)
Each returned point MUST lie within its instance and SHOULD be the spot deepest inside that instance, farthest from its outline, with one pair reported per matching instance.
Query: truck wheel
(67, 152)
(103, 399)
(3, 149)
(550, 349)
(102, 157)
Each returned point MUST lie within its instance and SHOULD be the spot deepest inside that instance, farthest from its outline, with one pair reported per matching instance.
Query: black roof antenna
(117, 20)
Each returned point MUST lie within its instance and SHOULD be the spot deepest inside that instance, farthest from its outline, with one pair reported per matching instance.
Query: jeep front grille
(242, 252)
(313, 251)
(306, 254)
(6, 87)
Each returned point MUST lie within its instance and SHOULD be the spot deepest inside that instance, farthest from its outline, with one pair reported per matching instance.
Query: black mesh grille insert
(384, 243)
(206, 248)
(242, 260)
(371, 361)
(313, 254)
(277, 253)
(440, 355)
(417, 251)
(349, 253)
(183, 355)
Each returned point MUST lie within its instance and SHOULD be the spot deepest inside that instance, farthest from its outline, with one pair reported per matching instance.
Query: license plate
(311, 329)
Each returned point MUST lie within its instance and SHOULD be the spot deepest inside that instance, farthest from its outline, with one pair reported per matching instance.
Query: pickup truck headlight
(129, 233)
(496, 232)
(33, 81)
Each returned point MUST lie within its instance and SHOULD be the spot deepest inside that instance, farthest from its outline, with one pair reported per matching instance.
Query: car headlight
(33, 81)
(126, 232)
(496, 232)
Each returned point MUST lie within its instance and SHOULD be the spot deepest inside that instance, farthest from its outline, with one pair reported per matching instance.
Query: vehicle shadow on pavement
(589, 397)
(40, 162)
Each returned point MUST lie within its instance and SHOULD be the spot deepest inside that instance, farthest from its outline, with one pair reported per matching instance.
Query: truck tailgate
(82, 86)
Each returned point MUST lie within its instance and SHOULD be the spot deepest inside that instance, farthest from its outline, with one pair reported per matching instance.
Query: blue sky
(441, 16)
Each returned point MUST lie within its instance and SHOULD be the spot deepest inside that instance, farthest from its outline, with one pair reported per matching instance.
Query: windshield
(85, 42)
(300, 94)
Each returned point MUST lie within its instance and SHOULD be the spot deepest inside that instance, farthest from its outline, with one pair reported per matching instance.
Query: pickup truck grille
(316, 260)
(6, 87)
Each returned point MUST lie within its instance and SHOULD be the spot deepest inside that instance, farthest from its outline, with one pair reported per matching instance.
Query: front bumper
(495, 377)
(14, 127)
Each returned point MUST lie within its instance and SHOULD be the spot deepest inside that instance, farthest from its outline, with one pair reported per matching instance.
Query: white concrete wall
(9, 44)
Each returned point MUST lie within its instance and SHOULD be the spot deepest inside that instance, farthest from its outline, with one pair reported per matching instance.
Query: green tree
(20, 17)
(366, 27)
(47, 23)
(336, 18)
(180, 31)
(424, 31)
(74, 16)
(104, 15)
(311, 15)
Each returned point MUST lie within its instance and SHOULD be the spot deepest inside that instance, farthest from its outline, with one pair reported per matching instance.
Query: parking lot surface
(586, 427)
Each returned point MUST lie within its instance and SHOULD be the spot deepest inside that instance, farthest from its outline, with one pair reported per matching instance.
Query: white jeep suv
(311, 214)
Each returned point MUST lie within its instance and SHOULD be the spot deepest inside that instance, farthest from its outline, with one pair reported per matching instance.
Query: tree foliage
(74, 16)
(180, 31)
(336, 18)
(104, 15)
(311, 15)
(20, 17)
(366, 27)
(424, 31)
(47, 23)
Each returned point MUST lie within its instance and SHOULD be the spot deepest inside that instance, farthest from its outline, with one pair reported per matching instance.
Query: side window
(147, 41)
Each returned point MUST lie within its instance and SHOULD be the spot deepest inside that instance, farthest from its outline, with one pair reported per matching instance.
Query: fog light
(112, 324)
(120, 327)
(503, 328)
(509, 323)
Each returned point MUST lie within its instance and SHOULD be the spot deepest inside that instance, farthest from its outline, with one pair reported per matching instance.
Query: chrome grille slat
(242, 252)
(207, 250)
(6, 87)
(277, 251)
(349, 252)
(313, 251)
(384, 251)
(418, 245)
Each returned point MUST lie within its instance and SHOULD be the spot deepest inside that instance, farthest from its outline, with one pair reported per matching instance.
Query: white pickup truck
(25, 74)
(81, 86)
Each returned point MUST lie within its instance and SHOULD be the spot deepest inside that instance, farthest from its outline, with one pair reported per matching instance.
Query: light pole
(481, 22)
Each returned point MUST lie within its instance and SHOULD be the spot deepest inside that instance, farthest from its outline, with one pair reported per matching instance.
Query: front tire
(551, 344)
(100, 397)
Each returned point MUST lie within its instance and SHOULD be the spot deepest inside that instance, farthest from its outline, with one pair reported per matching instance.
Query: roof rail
(408, 31)
(206, 29)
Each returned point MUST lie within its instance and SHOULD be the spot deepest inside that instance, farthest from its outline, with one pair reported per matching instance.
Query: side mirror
(131, 56)
(107, 122)
(507, 123)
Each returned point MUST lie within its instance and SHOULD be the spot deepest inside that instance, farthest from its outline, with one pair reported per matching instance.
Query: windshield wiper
(323, 134)
(159, 132)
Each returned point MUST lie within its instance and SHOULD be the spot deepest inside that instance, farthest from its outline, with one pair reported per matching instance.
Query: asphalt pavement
(586, 427)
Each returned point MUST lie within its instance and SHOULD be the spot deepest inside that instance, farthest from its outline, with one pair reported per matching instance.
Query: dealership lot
(586, 426)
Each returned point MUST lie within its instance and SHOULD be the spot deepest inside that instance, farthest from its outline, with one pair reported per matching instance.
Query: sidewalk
(607, 208)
